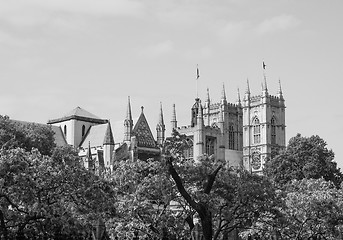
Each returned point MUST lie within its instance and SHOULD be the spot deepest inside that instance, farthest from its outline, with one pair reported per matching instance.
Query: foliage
(310, 209)
(304, 157)
(144, 197)
(224, 200)
(26, 135)
(50, 197)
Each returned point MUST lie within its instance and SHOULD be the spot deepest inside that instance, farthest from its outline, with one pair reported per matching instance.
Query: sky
(56, 55)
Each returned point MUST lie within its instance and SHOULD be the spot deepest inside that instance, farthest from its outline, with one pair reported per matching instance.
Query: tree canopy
(304, 157)
(225, 200)
(26, 135)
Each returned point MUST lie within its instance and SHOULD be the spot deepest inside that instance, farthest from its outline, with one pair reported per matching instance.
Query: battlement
(216, 106)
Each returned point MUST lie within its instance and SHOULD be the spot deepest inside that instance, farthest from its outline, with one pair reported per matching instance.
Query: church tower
(263, 127)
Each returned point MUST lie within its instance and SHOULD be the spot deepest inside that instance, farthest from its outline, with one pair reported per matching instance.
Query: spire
(223, 98)
(173, 120)
(128, 123)
(208, 95)
(247, 91)
(280, 95)
(264, 86)
(160, 120)
(160, 128)
(238, 98)
(128, 112)
(91, 165)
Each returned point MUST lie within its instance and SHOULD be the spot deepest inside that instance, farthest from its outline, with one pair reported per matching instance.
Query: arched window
(83, 130)
(273, 130)
(210, 142)
(231, 137)
(65, 130)
(188, 151)
(257, 131)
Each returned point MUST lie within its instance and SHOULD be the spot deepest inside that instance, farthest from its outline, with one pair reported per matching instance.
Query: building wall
(74, 132)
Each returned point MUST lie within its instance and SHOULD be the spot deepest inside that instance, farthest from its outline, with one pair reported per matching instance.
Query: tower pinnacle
(264, 84)
(128, 123)
(280, 95)
(223, 98)
(238, 98)
(173, 119)
(160, 128)
(128, 111)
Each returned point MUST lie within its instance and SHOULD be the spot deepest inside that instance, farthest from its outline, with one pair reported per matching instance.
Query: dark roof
(108, 140)
(79, 114)
(143, 133)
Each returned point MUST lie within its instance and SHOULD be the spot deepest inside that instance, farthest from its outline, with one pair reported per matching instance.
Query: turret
(195, 111)
(128, 123)
(198, 135)
(160, 128)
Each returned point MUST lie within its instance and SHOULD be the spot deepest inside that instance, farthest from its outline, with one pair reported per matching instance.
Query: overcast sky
(56, 55)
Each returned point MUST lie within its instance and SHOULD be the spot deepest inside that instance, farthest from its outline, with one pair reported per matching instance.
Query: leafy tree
(304, 157)
(42, 197)
(222, 199)
(310, 209)
(144, 201)
(26, 135)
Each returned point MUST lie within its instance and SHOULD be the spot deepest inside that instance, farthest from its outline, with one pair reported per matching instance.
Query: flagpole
(197, 77)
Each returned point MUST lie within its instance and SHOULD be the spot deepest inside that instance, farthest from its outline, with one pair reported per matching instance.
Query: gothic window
(83, 130)
(65, 130)
(188, 151)
(210, 141)
(231, 138)
(273, 131)
(257, 131)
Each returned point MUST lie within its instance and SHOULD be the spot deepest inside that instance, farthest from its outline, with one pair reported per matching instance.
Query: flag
(264, 66)
(198, 72)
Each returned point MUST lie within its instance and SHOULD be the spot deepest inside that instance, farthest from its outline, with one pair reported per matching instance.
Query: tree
(26, 135)
(50, 197)
(144, 201)
(304, 157)
(222, 198)
(310, 209)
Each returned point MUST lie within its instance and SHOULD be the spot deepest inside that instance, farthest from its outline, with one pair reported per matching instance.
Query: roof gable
(143, 133)
(79, 113)
(97, 136)
(108, 139)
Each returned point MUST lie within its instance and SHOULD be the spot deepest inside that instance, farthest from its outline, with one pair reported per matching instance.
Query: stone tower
(263, 127)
